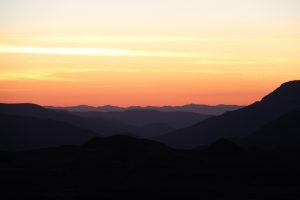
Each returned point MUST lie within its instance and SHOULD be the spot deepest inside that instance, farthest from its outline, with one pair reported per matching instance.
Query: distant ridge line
(197, 108)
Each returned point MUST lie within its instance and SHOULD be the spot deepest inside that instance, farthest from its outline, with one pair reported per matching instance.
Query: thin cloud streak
(63, 51)
(54, 75)
(98, 52)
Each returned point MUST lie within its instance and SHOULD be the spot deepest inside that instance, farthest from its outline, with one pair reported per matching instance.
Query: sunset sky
(154, 52)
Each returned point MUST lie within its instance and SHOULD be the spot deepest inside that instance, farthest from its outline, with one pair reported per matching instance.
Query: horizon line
(119, 106)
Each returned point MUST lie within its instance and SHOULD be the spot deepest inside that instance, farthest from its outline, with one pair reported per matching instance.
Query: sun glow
(146, 52)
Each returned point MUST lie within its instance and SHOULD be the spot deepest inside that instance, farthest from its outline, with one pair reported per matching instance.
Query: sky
(138, 52)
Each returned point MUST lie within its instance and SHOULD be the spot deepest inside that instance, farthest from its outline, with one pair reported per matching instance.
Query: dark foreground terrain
(123, 166)
(250, 153)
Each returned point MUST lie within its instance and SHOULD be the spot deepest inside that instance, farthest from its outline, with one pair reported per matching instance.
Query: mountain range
(178, 119)
(250, 153)
(176, 129)
(197, 108)
(61, 125)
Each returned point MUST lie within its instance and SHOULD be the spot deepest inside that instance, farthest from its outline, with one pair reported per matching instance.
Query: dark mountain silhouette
(223, 148)
(102, 126)
(123, 167)
(241, 122)
(87, 108)
(128, 145)
(197, 108)
(23, 132)
(282, 132)
(146, 117)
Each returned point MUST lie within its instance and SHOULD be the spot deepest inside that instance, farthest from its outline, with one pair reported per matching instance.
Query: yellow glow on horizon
(141, 52)
(144, 70)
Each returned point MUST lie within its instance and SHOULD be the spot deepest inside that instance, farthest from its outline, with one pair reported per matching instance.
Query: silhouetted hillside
(282, 132)
(196, 108)
(100, 125)
(146, 117)
(223, 148)
(127, 145)
(23, 132)
(241, 122)
(123, 167)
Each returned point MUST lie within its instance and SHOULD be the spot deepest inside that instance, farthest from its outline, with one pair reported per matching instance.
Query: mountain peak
(20, 107)
(21, 104)
(224, 147)
(287, 92)
(291, 83)
(290, 86)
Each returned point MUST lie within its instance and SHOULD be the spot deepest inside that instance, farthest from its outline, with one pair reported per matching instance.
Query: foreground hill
(122, 166)
(241, 122)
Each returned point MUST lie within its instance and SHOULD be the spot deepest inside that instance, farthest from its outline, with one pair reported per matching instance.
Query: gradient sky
(138, 52)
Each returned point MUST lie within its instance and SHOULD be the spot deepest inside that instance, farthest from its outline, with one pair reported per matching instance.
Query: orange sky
(142, 53)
